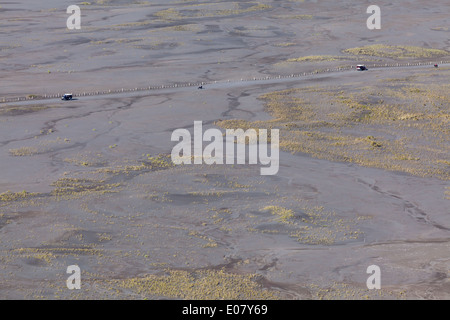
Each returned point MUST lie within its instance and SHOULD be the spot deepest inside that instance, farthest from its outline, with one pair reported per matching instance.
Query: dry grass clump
(74, 188)
(23, 151)
(103, 2)
(440, 29)
(311, 225)
(210, 243)
(83, 162)
(87, 159)
(285, 44)
(179, 28)
(396, 52)
(344, 291)
(8, 196)
(402, 126)
(161, 161)
(150, 163)
(376, 50)
(319, 58)
(245, 125)
(320, 227)
(21, 110)
(284, 215)
(197, 285)
(296, 17)
(210, 10)
(47, 255)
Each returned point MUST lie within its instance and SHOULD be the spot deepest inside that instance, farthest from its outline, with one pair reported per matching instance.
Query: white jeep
(361, 67)
(67, 96)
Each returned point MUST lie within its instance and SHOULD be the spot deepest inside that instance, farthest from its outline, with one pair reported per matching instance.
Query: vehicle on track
(361, 67)
(67, 96)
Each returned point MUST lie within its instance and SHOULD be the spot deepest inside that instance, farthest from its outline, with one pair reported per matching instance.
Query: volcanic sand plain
(364, 160)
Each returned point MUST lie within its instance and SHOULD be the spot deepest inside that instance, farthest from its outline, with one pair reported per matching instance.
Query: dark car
(67, 96)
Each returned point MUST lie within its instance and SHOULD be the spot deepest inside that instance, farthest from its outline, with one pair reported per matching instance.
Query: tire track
(408, 207)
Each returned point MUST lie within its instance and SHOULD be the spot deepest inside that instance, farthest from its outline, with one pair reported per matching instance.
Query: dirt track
(224, 84)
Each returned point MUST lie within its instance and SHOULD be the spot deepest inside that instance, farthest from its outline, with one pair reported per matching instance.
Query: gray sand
(100, 190)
